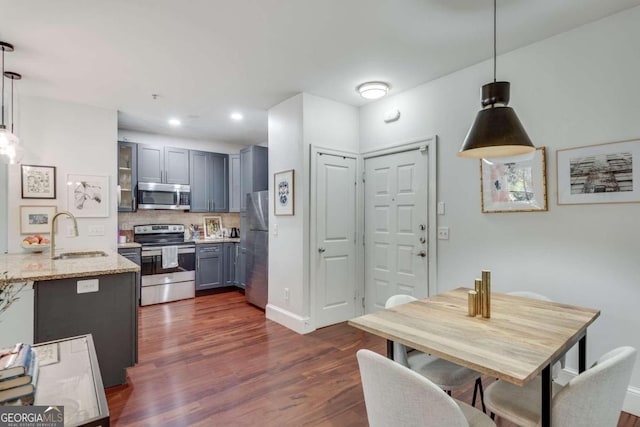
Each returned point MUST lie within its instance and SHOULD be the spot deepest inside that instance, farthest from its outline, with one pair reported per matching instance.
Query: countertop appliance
(164, 196)
(257, 289)
(167, 279)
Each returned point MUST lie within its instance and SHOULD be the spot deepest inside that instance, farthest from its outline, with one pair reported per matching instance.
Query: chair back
(594, 398)
(397, 396)
(399, 350)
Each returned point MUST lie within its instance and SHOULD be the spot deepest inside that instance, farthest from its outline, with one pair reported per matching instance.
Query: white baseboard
(296, 323)
(631, 401)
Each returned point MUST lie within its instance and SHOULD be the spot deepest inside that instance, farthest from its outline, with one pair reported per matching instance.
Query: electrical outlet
(286, 294)
(95, 230)
(443, 233)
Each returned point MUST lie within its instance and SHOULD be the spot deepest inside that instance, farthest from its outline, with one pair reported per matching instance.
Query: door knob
(422, 227)
(321, 250)
(423, 240)
(422, 254)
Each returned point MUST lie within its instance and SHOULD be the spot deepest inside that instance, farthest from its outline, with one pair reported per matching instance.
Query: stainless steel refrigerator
(257, 245)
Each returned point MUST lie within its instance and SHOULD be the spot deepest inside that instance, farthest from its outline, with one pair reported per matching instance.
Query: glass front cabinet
(127, 176)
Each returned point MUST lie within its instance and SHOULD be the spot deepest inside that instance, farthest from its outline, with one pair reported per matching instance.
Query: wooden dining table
(523, 337)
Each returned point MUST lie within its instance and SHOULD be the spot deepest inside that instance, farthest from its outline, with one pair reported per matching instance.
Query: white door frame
(430, 145)
(359, 225)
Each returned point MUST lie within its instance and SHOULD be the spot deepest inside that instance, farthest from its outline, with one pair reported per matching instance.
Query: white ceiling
(207, 58)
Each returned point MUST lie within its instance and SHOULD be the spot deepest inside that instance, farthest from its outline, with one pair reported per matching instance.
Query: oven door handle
(158, 251)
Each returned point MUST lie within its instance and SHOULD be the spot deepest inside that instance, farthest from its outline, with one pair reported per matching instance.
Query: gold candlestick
(486, 294)
(478, 296)
(473, 297)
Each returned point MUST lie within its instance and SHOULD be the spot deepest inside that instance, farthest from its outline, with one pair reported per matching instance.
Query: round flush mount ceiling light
(175, 122)
(373, 90)
(236, 116)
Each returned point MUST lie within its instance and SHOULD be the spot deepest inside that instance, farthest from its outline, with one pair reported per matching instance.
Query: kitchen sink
(73, 255)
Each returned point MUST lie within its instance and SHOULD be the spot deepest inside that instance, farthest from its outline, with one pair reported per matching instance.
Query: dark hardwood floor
(216, 361)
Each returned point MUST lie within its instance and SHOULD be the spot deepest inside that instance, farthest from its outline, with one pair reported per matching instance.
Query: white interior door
(335, 254)
(395, 209)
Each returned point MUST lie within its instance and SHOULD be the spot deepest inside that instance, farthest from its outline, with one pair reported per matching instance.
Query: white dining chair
(446, 375)
(397, 396)
(594, 398)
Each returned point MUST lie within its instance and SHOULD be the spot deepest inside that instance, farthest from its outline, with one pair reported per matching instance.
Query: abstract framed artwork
(38, 182)
(283, 193)
(36, 219)
(604, 173)
(514, 184)
(212, 227)
(88, 195)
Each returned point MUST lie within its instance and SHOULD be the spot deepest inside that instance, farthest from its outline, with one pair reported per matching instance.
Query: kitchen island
(86, 295)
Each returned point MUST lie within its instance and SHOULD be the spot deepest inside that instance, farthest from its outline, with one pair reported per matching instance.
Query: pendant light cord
(494, 40)
(12, 80)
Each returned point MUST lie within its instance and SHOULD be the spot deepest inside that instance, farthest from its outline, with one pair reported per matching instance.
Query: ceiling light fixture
(236, 116)
(175, 122)
(496, 131)
(15, 151)
(373, 90)
(10, 147)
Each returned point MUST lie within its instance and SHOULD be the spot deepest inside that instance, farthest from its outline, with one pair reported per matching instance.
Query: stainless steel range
(168, 263)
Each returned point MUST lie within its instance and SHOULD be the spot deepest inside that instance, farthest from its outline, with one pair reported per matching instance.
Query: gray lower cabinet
(229, 258)
(209, 266)
(134, 255)
(107, 310)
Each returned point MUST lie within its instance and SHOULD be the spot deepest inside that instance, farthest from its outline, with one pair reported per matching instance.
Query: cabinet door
(199, 171)
(176, 165)
(229, 264)
(220, 182)
(209, 267)
(242, 268)
(127, 176)
(246, 176)
(260, 172)
(234, 182)
(150, 163)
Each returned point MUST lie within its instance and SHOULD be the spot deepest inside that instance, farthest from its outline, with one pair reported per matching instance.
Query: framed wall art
(514, 184)
(605, 173)
(88, 195)
(283, 193)
(38, 182)
(212, 227)
(36, 219)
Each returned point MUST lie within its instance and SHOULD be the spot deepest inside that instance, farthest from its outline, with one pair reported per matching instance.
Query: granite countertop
(38, 267)
(129, 245)
(220, 240)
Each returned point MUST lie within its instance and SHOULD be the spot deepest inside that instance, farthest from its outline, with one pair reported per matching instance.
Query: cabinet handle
(133, 203)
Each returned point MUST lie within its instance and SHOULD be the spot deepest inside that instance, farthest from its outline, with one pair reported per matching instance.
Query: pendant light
(15, 151)
(10, 147)
(496, 131)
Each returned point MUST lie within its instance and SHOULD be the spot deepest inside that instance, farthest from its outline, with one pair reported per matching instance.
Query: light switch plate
(86, 286)
(95, 230)
(440, 208)
(443, 233)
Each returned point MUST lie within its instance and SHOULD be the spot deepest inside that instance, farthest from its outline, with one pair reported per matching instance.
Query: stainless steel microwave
(163, 196)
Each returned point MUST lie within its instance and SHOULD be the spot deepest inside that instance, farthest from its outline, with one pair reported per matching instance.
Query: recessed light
(236, 116)
(373, 90)
(175, 122)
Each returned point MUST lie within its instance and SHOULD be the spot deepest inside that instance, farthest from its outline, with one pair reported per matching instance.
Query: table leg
(390, 349)
(582, 354)
(546, 396)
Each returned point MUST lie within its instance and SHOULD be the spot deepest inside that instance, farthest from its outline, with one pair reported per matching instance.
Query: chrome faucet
(53, 235)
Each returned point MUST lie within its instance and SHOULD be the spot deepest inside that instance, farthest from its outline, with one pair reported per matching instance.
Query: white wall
(3, 207)
(577, 88)
(75, 139)
(174, 141)
(294, 125)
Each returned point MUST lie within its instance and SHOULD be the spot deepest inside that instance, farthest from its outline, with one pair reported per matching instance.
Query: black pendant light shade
(496, 131)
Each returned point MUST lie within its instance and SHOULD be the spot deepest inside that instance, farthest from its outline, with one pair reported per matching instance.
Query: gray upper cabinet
(254, 172)
(163, 164)
(209, 182)
(127, 176)
(234, 182)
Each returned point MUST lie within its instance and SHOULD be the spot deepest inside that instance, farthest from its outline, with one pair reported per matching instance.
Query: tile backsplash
(126, 220)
